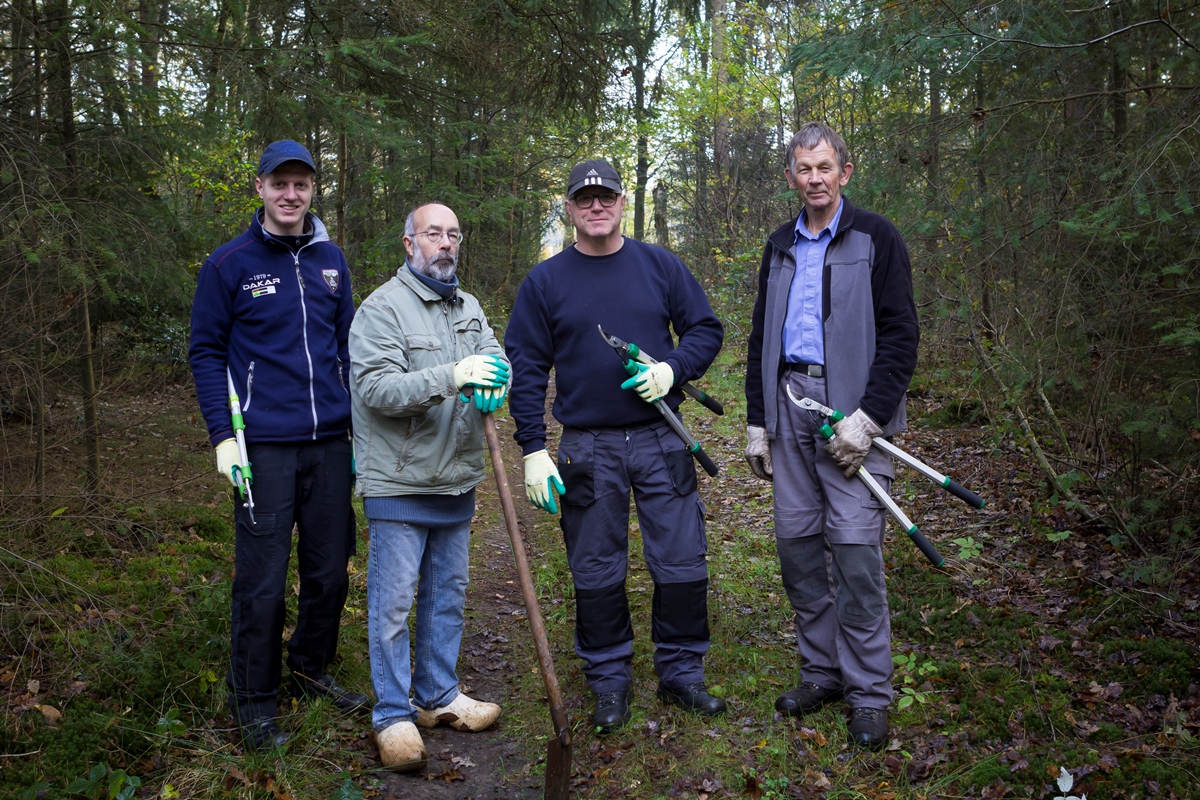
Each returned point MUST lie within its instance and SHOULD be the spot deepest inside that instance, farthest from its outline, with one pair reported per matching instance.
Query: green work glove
(852, 441)
(758, 452)
(487, 399)
(483, 371)
(228, 459)
(652, 382)
(542, 481)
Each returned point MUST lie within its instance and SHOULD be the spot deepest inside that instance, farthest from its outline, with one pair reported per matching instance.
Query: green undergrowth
(115, 623)
(997, 688)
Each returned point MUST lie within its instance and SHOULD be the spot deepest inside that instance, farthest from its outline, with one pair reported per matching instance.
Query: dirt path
(496, 646)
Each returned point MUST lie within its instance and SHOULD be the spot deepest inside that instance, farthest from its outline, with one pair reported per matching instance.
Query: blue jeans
(433, 564)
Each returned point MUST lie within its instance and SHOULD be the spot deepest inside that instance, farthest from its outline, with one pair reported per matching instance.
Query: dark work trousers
(307, 486)
(829, 535)
(599, 467)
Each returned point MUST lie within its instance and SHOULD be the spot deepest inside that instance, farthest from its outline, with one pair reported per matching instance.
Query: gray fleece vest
(849, 330)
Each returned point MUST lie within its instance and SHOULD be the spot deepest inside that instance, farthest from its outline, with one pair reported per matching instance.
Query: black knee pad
(680, 612)
(602, 617)
(802, 567)
(858, 569)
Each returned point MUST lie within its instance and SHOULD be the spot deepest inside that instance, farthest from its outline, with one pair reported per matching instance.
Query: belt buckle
(815, 371)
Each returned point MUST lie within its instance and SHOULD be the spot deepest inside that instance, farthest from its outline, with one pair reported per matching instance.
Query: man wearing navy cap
(615, 441)
(272, 312)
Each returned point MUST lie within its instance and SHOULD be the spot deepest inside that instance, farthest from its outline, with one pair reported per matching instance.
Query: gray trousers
(829, 535)
(599, 467)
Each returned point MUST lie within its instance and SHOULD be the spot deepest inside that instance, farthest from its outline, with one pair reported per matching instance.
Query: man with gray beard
(416, 344)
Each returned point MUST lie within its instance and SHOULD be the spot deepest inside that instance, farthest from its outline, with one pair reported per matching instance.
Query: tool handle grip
(926, 547)
(704, 460)
(704, 399)
(964, 494)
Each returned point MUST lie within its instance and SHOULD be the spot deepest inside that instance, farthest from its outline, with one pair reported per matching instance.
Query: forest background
(1040, 160)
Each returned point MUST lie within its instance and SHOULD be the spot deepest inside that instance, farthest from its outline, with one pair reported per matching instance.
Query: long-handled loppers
(241, 473)
(953, 487)
(629, 350)
(907, 524)
(625, 351)
(558, 749)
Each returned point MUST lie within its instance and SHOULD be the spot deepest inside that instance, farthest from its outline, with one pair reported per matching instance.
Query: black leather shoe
(806, 697)
(869, 727)
(325, 686)
(612, 710)
(693, 697)
(263, 734)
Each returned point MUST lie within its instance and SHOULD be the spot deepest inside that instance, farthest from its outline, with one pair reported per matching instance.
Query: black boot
(693, 697)
(263, 734)
(612, 710)
(325, 686)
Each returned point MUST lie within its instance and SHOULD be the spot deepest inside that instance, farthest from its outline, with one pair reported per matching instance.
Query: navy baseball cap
(281, 152)
(593, 173)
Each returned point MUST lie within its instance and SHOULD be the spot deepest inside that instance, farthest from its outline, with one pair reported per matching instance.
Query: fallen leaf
(53, 715)
(811, 735)
(34, 686)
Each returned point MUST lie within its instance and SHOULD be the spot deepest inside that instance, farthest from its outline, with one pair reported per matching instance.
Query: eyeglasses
(607, 199)
(435, 237)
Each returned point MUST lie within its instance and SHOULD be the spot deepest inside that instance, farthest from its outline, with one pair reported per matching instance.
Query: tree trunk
(721, 121)
(662, 234)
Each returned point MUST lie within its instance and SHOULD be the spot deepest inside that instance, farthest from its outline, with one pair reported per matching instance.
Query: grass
(1030, 655)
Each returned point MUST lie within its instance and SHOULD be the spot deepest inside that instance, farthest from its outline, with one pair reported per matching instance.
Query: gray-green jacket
(412, 434)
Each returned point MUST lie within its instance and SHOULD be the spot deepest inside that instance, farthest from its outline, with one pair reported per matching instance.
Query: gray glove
(852, 441)
(758, 452)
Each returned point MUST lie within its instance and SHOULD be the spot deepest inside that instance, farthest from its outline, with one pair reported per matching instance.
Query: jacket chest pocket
(424, 351)
(468, 330)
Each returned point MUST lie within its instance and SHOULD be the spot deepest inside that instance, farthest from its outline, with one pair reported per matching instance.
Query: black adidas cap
(593, 173)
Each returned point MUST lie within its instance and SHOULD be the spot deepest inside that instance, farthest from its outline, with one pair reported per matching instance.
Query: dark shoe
(325, 686)
(612, 710)
(805, 698)
(263, 734)
(869, 727)
(693, 697)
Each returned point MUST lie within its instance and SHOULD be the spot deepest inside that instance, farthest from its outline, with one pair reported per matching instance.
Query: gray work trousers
(829, 535)
(599, 467)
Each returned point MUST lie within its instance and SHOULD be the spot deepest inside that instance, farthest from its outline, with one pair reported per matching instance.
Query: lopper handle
(964, 494)
(704, 399)
(926, 547)
(704, 460)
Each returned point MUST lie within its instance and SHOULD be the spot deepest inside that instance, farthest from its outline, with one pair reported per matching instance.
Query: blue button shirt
(803, 333)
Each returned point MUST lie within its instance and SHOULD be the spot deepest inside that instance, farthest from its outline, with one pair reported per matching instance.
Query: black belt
(811, 370)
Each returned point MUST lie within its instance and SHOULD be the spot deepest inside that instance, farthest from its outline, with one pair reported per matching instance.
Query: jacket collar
(319, 231)
(784, 236)
(423, 291)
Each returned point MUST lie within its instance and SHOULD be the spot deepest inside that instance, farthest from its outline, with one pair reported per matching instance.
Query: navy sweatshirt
(641, 294)
(279, 318)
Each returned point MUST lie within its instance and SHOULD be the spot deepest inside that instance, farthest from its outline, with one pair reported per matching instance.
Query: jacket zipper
(249, 386)
(312, 399)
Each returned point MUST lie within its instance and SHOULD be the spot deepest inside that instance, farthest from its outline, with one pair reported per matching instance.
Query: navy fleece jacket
(280, 320)
(641, 294)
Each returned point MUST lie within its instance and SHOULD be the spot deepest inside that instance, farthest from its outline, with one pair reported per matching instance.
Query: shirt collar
(802, 230)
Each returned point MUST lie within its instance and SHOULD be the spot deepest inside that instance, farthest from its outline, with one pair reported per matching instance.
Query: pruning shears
(906, 524)
(627, 352)
(631, 352)
(242, 476)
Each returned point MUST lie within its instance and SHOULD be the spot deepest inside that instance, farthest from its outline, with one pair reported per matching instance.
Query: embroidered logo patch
(331, 278)
(260, 285)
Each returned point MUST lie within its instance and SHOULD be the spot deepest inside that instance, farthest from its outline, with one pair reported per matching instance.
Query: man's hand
(758, 452)
(483, 371)
(853, 441)
(542, 481)
(652, 382)
(227, 459)
(488, 400)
